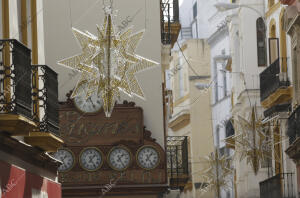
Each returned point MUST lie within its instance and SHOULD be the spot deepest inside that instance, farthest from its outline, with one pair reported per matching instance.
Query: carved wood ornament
(124, 128)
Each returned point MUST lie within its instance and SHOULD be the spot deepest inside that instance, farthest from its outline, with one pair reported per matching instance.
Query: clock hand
(90, 99)
(147, 157)
(63, 159)
(91, 158)
(122, 163)
(93, 161)
(119, 159)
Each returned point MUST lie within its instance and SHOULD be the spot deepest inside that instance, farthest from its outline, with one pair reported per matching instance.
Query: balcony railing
(294, 125)
(279, 186)
(169, 15)
(177, 161)
(272, 79)
(47, 98)
(276, 109)
(15, 78)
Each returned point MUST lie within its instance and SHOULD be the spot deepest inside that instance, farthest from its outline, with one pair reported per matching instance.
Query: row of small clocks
(119, 158)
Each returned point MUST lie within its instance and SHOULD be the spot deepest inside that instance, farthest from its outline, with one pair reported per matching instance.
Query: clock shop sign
(104, 177)
(77, 129)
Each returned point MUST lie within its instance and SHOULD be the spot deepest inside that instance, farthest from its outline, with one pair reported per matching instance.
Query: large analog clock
(91, 159)
(91, 104)
(67, 158)
(119, 158)
(147, 157)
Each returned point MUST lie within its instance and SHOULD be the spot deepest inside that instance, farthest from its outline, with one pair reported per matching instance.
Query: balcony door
(273, 49)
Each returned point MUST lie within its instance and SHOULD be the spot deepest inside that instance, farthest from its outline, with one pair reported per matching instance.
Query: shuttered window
(261, 42)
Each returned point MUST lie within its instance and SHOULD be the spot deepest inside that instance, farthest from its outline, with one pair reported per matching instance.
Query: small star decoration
(218, 173)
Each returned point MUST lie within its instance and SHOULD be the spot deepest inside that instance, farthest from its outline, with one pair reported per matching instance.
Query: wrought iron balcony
(277, 108)
(15, 88)
(279, 186)
(22, 101)
(271, 80)
(170, 25)
(177, 161)
(293, 133)
(15, 78)
(294, 125)
(47, 97)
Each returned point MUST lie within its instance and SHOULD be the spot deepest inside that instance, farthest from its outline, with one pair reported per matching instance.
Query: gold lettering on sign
(82, 130)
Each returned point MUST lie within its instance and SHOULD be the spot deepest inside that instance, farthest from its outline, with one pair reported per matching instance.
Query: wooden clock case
(125, 128)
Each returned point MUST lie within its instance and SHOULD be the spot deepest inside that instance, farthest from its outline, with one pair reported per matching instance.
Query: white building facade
(254, 29)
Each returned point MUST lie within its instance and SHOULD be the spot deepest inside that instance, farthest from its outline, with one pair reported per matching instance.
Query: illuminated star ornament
(253, 142)
(218, 174)
(108, 63)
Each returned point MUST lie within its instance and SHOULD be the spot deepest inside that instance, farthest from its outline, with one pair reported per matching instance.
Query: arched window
(229, 128)
(282, 42)
(261, 42)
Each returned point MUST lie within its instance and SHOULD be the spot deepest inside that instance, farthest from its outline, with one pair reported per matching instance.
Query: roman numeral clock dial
(147, 157)
(67, 158)
(91, 159)
(119, 158)
(90, 104)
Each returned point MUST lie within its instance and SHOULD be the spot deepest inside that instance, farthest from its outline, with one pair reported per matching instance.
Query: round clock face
(91, 159)
(91, 104)
(66, 157)
(119, 158)
(147, 157)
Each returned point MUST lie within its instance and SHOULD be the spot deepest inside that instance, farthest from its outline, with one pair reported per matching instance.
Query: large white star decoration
(253, 141)
(108, 63)
(217, 176)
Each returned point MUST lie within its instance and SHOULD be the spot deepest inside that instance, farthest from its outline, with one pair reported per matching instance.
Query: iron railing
(19, 93)
(278, 186)
(169, 15)
(294, 125)
(15, 78)
(47, 97)
(277, 108)
(177, 160)
(272, 79)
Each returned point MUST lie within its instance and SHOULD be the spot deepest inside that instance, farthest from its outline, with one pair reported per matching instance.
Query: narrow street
(149, 99)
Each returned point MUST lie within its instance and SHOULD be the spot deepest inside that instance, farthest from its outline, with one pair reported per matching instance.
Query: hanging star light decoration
(253, 142)
(108, 63)
(218, 174)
